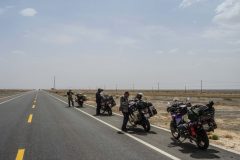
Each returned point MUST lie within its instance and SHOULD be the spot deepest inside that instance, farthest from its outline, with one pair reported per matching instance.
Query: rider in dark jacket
(70, 98)
(125, 111)
(98, 101)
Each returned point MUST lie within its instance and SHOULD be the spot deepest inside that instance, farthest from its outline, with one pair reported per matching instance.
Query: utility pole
(158, 86)
(133, 87)
(116, 88)
(54, 82)
(185, 88)
(201, 86)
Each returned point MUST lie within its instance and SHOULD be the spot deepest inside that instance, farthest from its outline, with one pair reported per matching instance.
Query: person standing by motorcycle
(125, 111)
(98, 101)
(138, 97)
(70, 98)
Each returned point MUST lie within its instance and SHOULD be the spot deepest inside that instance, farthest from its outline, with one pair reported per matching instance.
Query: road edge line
(167, 130)
(12, 98)
(122, 116)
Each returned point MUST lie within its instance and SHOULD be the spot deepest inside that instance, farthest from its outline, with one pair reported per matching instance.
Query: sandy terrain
(227, 110)
(10, 92)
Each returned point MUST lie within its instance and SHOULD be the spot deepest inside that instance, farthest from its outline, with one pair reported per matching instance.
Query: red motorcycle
(200, 121)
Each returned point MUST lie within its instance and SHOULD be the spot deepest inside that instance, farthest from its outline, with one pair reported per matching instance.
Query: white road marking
(122, 116)
(127, 134)
(12, 98)
(167, 130)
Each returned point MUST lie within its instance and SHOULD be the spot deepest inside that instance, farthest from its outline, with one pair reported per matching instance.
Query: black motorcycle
(80, 99)
(194, 128)
(107, 103)
(140, 112)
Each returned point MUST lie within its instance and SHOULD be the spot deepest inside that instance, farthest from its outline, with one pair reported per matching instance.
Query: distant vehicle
(80, 99)
(200, 121)
(107, 103)
(140, 112)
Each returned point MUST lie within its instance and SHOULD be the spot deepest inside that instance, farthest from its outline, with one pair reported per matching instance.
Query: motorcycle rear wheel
(146, 125)
(110, 112)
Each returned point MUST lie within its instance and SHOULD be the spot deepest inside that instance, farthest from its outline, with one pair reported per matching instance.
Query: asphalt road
(39, 126)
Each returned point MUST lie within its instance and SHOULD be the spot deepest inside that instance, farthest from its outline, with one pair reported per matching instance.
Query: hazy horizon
(128, 44)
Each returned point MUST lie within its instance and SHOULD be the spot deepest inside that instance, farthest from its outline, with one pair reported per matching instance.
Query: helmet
(175, 99)
(126, 93)
(100, 90)
(139, 96)
(210, 103)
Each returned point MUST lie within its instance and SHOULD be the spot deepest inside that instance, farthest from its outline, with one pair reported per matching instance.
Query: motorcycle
(107, 103)
(194, 129)
(140, 112)
(80, 99)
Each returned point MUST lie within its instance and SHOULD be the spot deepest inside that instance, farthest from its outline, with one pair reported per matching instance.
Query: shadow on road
(74, 107)
(139, 131)
(105, 115)
(79, 107)
(194, 151)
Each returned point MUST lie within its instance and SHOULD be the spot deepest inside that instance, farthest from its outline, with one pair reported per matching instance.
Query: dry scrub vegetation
(10, 92)
(227, 105)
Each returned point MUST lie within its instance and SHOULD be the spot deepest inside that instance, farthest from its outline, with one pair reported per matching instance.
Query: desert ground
(9, 92)
(227, 105)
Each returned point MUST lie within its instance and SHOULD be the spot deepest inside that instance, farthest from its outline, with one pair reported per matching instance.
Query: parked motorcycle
(200, 120)
(80, 99)
(140, 112)
(107, 103)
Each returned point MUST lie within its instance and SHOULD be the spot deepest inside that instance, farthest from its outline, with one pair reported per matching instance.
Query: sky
(125, 44)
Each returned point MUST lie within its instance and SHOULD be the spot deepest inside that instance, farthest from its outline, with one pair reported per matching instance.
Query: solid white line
(133, 137)
(226, 149)
(12, 98)
(167, 130)
(127, 134)
(122, 116)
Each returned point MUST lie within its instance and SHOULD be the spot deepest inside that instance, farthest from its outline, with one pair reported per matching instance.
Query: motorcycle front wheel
(173, 128)
(131, 119)
(202, 140)
(81, 104)
(109, 111)
(146, 125)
